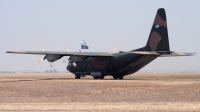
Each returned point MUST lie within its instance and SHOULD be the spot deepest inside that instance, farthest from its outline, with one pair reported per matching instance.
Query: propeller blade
(66, 60)
(40, 60)
(68, 49)
(43, 48)
(115, 49)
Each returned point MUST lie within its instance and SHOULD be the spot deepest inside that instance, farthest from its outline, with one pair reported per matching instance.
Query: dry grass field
(154, 92)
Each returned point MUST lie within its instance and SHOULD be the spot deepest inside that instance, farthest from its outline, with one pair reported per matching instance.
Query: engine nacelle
(52, 58)
(76, 58)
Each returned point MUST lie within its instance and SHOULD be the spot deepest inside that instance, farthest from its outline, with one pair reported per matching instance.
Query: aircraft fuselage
(121, 64)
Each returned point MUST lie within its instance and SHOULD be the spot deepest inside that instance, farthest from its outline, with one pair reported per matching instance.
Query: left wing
(90, 54)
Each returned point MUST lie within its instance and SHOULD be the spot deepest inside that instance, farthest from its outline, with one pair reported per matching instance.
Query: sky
(26, 25)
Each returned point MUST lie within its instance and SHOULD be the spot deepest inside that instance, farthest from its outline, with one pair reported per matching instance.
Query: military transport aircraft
(100, 64)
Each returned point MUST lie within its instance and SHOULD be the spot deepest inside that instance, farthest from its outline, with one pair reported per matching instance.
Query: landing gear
(77, 76)
(115, 77)
(121, 77)
(118, 77)
(101, 77)
(98, 77)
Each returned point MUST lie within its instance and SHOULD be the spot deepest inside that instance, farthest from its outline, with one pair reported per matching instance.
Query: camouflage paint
(154, 40)
(158, 20)
(100, 62)
(158, 37)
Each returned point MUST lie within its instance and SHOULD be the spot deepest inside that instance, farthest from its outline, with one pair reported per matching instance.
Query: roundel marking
(157, 26)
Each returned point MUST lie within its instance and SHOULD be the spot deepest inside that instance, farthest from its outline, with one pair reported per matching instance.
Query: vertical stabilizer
(158, 38)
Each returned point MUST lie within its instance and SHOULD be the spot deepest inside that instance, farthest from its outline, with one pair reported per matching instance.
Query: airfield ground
(155, 92)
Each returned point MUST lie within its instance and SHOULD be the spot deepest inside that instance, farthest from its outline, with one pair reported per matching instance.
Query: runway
(137, 92)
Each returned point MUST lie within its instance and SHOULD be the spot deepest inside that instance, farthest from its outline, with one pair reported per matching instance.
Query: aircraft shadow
(89, 79)
(65, 79)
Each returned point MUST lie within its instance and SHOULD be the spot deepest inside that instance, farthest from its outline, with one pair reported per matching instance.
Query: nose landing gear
(77, 76)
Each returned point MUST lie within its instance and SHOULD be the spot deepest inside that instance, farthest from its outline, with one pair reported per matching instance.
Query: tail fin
(158, 38)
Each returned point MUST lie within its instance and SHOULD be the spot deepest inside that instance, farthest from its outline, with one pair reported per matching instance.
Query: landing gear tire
(115, 77)
(77, 76)
(96, 77)
(121, 77)
(101, 77)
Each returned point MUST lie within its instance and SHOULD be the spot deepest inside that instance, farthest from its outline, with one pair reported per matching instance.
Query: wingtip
(17, 52)
(8, 51)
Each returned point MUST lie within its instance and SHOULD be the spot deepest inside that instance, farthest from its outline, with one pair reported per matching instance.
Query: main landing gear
(118, 77)
(101, 77)
(77, 76)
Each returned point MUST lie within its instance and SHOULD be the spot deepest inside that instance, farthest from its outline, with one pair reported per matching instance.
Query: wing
(163, 53)
(91, 54)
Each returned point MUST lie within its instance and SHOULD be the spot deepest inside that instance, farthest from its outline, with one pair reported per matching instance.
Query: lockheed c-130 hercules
(100, 64)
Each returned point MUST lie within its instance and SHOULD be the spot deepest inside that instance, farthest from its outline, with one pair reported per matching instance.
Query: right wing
(90, 54)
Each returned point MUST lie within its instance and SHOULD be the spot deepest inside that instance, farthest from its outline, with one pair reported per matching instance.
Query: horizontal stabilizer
(179, 54)
(162, 53)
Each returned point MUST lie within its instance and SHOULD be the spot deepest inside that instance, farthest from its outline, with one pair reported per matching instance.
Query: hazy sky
(56, 24)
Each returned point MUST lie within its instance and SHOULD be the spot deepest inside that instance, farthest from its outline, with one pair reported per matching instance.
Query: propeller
(68, 50)
(43, 48)
(42, 59)
(66, 60)
(115, 49)
(45, 57)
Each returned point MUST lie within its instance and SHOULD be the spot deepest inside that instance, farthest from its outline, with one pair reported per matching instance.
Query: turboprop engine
(50, 58)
